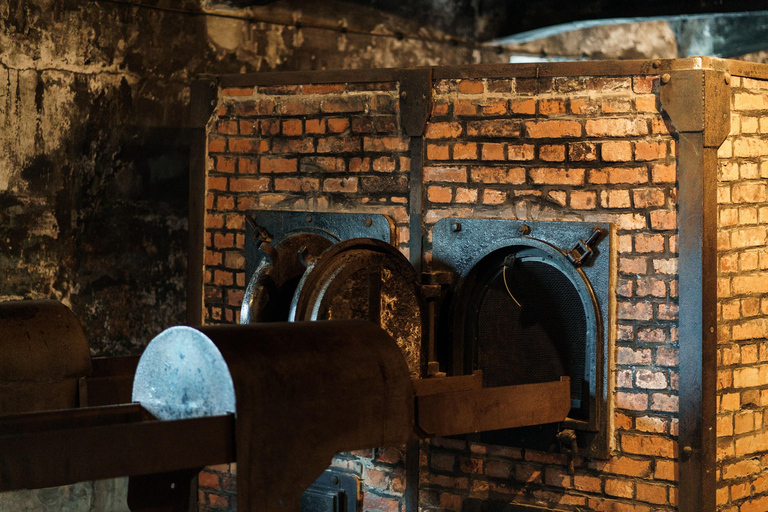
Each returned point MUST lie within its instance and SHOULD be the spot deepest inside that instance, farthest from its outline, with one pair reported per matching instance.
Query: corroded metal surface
(183, 375)
(44, 353)
(366, 279)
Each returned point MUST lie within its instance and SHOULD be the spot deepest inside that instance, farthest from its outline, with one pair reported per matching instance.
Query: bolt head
(368, 222)
(727, 78)
(665, 78)
(403, 95)
(309, 218)
(456, 227)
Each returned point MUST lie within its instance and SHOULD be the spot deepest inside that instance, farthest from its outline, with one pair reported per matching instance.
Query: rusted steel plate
(462, 412)
(435, 385)
(45, 454)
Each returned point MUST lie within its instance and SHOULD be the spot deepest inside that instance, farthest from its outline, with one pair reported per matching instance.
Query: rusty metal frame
(698, 102)
(698, 142)
(203, 98)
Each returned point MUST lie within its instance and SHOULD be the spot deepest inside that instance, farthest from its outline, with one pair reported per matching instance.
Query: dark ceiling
(489, 19)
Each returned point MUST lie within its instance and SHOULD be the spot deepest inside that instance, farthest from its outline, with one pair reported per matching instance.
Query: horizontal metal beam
(64, 447)
(478, 410)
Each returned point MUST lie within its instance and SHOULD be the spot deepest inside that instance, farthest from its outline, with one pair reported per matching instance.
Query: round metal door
(366, 279)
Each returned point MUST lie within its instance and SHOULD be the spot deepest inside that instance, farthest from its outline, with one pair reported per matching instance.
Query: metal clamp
(582, 251)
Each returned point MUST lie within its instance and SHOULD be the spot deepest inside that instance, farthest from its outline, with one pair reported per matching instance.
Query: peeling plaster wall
(94, 145)
(94, 150)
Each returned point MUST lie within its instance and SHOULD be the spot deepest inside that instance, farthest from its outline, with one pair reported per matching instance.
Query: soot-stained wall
(94, 144)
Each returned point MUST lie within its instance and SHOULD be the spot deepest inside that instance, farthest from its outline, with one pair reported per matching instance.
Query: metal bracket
(203, 93)
(334, 491)
(699, 101)
(415, 100)
(582, 251)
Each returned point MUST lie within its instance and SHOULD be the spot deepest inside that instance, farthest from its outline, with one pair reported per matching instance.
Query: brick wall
(334, 147)
(567, 148)
(742, 311)
(571, 148)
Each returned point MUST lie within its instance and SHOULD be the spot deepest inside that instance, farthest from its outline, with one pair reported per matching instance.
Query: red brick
(270, 126)
(225, 164)
(651, 493)
(650, 150)
(443, 130)
(217, 183)
(374, 503)
(664, 173)
(464, 108)
(451, 174)
(471, 87)
(552, 129)
(551, 107)
(340, 185)
(549, 153)
(223, 278)
(249, 184)
(489, 151)
(297, 184)
(517, 106)
(244, 145)
(439, 194)
(512, 175)
(632, 401)
(437, 152)
(582, 152)
(322, 88)
(277, 165)
(465, 151)
(525, 152)
(620, 488)
(337, 125)
(292, 127)
(505, 128)
(227, 127)
(216, 145)
(386, 144)
(314, 126)
(237, 91)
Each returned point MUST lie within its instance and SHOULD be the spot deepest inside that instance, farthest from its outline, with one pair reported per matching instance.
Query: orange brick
(557, 176)
(490, 151)
(451, 174)
(223, 278)
(551, 153)
(292, 127)
(647, 444)
(494, 128)
(646, 104)
(244, 145)
(632, 401)
(663, 219)
(439, 194)
(465, 151)
(217, 183)
(551, 107)
(650, 150)
(615, 127)
(216, 145)
(651, 493)
(471, 87)
(437, 152)
(521, 151)
(626, 466)
(615, 199)
(464, 108)
(583, 200)
(247, 127)
(276, 165)
(322, 88)
(582, 151)
(523, 106)
(649, 243)
(249, 184)
(620, 151)
(340, 185)
(619, 488)
(664, 173)
(513, 175)
(466, 195)
(443, 130)
(314, 126)
(337, 125)
(237, 91)
(493, 196)
(645, 197)
(586, 483)
(553, 129)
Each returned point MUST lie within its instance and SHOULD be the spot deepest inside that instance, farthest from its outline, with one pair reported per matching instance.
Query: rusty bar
(435, 385)
(697, 227)
(470, 411)
(202, 100)
(51, 456)
(531, 70)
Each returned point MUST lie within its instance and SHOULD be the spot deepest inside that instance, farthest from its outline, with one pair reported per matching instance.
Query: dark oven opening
(528, 303)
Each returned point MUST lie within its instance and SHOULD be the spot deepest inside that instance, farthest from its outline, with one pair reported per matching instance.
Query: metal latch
(582, 251)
